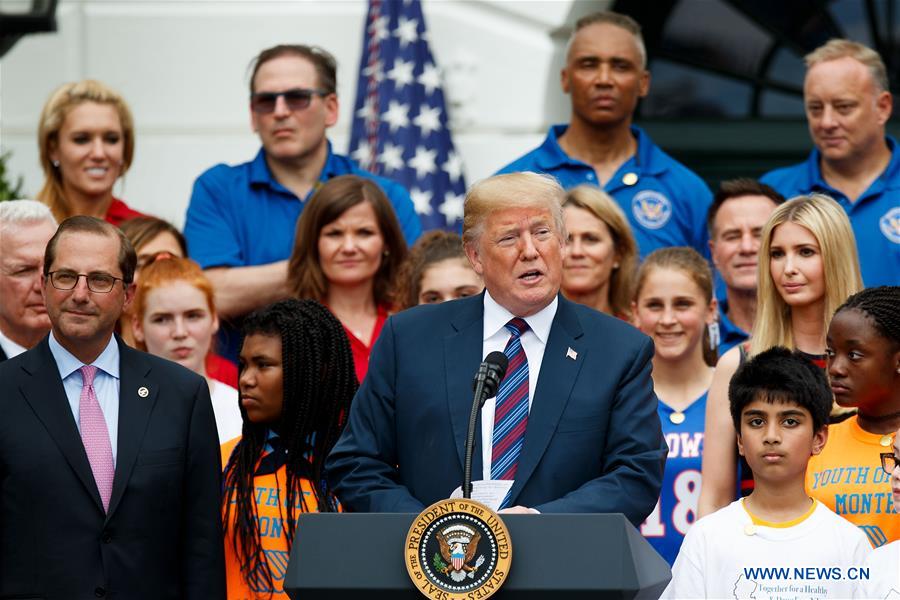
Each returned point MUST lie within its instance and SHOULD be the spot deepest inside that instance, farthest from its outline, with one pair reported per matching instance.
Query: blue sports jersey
(875, 215)
(676, 510)
(664, 201)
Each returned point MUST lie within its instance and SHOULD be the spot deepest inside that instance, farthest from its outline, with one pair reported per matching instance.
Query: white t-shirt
(725, 555)
(225, 403)
(884, 573)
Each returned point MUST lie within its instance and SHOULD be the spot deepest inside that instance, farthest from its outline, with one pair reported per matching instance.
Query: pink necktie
(95, 436)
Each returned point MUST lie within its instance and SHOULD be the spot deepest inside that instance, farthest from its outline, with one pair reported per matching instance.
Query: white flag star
(453, 166)
(421, 200)
(430, 78)
(423, 162)
(379, 29)
(391, 157)
(452, 207)
(367, 112)
(363, 154)
(406, 31)
(428, 120)
(401, 73)
(397, 115)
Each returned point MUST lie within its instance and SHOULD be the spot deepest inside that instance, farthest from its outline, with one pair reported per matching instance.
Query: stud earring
(55, 164)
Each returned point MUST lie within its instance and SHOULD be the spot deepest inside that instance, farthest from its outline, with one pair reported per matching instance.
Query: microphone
(487, 380)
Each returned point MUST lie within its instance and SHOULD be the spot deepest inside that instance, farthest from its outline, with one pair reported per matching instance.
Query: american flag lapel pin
(571, 354)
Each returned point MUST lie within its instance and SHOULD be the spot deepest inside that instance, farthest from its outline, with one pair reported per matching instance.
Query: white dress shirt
(496, 335)
(10, 348)
(106, 384)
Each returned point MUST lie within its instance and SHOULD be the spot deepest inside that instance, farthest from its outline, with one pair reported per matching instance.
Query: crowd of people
(673, 354)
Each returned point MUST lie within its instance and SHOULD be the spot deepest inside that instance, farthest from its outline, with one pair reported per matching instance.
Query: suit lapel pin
(571, 354)
(143, 392)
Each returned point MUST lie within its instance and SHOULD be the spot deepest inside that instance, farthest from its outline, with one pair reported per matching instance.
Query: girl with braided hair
(863, 354)
(297, 380)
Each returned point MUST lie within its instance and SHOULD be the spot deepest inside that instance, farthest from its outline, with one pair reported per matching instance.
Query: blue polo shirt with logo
(664, 201)
(240, 216)
(875, 216)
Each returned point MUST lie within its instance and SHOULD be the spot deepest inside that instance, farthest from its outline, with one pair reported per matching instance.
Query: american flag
(400, 125)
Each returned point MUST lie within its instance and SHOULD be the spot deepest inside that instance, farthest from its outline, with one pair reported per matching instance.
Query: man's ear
(820, 438)
(474, 260)
(740, 444)
(332, 108)
(884, 105)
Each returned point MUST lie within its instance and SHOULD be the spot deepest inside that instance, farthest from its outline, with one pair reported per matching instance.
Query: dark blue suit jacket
(162, 536)
(593, 442)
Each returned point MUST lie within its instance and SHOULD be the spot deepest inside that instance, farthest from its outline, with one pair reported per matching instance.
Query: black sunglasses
(296, 99)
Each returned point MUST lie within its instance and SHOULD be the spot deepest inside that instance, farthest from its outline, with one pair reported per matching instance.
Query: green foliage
(438, 562)
(8, 190)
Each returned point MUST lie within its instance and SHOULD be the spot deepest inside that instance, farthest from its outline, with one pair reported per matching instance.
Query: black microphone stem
(470, 438)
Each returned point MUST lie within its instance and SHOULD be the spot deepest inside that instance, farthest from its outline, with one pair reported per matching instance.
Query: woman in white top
(175, 318)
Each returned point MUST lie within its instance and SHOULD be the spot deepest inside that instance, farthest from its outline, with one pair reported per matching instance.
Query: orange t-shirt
(847, 477)
(271, 519)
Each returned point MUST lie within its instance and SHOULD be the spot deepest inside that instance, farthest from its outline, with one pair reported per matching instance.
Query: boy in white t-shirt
(778, 542)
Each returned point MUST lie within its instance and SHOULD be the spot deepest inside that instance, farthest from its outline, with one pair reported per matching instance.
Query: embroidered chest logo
(651, 209)
(890, 224)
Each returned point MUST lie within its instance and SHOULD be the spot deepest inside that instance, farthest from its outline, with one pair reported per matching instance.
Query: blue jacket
(593, 442)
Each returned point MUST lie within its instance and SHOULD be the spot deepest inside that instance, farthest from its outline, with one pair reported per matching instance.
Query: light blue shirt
(106, 384)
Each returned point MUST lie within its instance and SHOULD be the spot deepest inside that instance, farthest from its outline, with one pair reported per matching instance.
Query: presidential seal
(458, 549)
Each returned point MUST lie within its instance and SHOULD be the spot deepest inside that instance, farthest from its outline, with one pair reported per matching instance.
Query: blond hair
(841, 48)
(603, 207)
(511, 190)
(61, 102)
(828, 223)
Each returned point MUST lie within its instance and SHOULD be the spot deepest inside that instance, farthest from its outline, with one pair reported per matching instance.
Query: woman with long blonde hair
(86, 142)
(808, 267)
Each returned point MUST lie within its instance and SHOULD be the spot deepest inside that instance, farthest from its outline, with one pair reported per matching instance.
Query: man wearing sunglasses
(241, 219)
(111, 480)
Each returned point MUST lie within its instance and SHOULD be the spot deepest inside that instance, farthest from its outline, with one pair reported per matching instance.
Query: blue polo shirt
(875, 216)
(664, 201)
(241, 216)
(730, 335)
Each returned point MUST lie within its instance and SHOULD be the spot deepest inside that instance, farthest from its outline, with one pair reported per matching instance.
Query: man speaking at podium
(574, 423)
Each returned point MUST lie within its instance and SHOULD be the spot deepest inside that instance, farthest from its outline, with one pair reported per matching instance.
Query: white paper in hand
(490, 492)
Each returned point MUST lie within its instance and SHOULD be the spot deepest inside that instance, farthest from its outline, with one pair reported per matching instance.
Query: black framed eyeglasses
(295, 99)
(100, 283)
(888, 462)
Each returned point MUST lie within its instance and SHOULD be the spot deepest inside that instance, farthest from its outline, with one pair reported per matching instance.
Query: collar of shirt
(108, 361)
(889, 178)
(10, 348)
(648, 161)
(261, 175)
(496, 317)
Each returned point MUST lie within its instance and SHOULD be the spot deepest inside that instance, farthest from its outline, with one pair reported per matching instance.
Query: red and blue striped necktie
(511, 409)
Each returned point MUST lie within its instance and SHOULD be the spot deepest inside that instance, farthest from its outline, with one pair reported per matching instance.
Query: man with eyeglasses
(241, 219)
(111, 482)
(25, 228)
